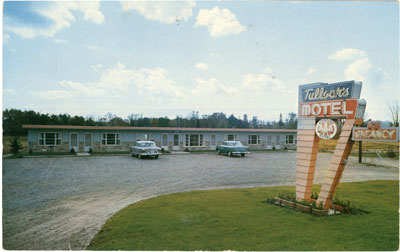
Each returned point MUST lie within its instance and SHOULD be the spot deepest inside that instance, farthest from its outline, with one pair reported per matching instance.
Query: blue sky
(170, 58)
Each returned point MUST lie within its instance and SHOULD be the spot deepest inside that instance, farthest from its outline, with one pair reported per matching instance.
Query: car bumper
(149, 153)
(240, 152)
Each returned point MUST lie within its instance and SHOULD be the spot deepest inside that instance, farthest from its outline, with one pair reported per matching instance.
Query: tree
(394, 113)
(280, 123)
(15, 145)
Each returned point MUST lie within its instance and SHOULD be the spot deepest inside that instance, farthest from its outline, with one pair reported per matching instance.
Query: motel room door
(278, 142)
(164, 141)
(269, 142)
(74, 142)
(88, 141)
(175, 147)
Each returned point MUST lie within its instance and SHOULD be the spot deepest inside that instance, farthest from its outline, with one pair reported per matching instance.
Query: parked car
(145, 148)
(232, 148)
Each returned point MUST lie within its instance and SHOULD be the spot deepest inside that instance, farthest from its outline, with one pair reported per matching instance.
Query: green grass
(239, 219)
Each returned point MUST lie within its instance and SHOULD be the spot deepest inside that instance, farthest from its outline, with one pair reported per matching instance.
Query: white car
(145, 148)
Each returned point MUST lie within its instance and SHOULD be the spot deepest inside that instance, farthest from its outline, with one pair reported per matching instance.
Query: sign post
(325, 111)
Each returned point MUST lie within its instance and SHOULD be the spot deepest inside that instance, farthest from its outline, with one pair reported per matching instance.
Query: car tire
(139, 156)
(156, 156)
(242, 154)
(219, 153)
(133, 155)
(230, 154)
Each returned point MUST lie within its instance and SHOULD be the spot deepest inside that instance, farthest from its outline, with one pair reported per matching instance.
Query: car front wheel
(139, 156)
(230, 154)
(219, 152)
(242, 154)
(156, 156)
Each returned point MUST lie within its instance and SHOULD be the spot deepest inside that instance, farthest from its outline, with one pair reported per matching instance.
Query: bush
(390, 153)
(72, 150)
(15, 145)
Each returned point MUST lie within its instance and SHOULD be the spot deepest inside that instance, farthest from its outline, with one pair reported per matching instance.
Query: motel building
(63, 138)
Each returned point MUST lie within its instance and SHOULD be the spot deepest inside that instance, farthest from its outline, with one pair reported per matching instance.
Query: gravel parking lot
(60, 203)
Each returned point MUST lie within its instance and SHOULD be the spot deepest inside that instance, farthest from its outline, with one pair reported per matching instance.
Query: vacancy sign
(374, 132)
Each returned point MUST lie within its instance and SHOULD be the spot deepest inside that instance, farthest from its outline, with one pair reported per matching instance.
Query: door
(88, 141)
(278, 142)
(164, 141)
(213, 142)
(269, 142)
(175, 147)
(74, 142)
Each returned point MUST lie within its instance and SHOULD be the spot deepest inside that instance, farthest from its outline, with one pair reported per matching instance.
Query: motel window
(290, 139)
(254, 139)
(111, 139)
(49, 139)
(194, 140)
(231, 137)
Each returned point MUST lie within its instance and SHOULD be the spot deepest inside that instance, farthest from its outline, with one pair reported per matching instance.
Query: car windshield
(146, 144)
(234, 144)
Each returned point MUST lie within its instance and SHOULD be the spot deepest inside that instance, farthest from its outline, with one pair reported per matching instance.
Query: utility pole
(360, 152)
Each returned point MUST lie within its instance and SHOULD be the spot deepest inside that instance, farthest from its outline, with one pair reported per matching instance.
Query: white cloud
(212, 86)
(94, 48)
(201, 66)
(59, 13)
(163, 11)
(347, 54)
(61, 41)
(117, 83)
(358, 69)
(311, 70)
(9, 91)
(219, 22)
(6, 36)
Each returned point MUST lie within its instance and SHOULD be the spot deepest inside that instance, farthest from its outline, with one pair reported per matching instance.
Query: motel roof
(74, 127)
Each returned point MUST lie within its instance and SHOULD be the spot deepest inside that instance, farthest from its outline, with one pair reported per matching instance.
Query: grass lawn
(239, 219)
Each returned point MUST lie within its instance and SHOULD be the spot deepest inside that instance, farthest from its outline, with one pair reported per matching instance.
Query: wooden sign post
(325, 111)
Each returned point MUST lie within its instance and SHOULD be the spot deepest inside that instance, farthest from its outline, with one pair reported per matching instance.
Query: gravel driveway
(60, 203)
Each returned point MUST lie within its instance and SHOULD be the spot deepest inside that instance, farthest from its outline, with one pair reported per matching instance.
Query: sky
(165, 58)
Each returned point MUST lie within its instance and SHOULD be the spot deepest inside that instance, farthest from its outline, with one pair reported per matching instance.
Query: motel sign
(325, 111)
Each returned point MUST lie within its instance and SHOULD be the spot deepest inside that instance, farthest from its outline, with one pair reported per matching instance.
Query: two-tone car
(232, 148)
(145, 148)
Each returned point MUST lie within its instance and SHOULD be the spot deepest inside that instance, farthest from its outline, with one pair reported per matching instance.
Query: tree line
(13, 119)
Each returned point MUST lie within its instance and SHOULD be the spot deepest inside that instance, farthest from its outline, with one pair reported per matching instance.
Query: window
(231, 137)
(290, 139)
(111, 139)
(254, 139)
(49, 139)
(194, 140)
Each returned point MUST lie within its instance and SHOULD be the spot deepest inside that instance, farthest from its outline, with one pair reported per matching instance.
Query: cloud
(163, 11)
(310, 71)
(219, 22)
(347, 54)
(212, 86)
(34, 19)
(61, 41)
(6, 36)
(94, 48)
(117, 83)
(201, 66)
(358, 69)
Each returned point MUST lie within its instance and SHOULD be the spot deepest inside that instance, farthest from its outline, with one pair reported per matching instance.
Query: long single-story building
(63, 138)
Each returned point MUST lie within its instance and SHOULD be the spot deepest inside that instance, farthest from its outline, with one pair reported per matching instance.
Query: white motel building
(63, 138)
